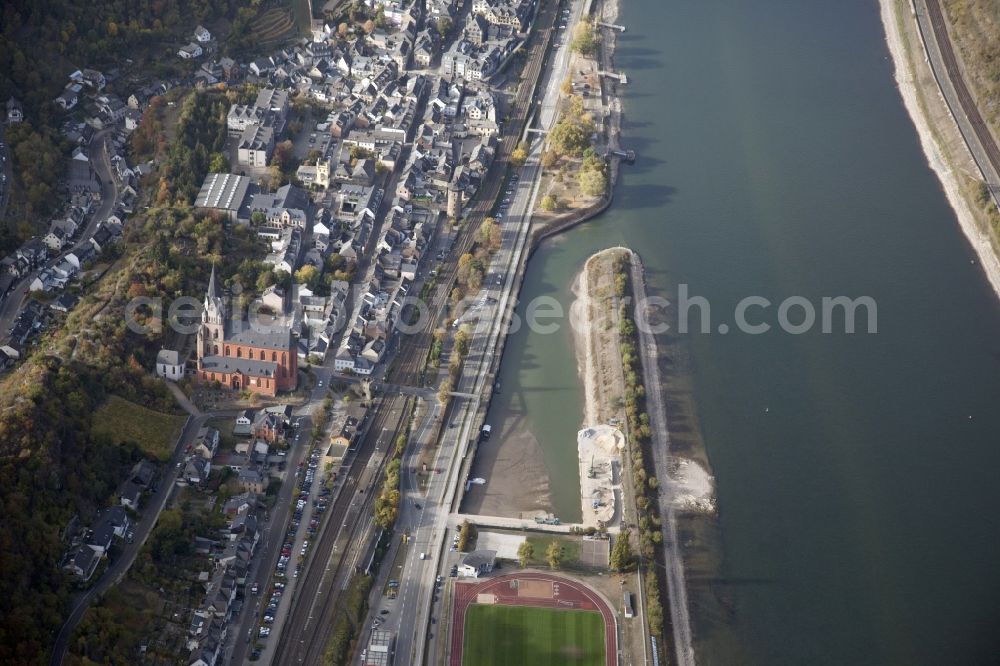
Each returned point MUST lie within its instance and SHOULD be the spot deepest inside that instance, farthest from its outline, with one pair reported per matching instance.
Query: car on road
(384, 611)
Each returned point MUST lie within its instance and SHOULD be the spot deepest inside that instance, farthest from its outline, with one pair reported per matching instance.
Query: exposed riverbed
(855, 494)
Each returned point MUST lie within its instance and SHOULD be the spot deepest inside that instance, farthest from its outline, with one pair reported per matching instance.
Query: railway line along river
(855, 473)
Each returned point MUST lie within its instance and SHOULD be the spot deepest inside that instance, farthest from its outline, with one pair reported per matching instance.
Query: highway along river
(856, 474)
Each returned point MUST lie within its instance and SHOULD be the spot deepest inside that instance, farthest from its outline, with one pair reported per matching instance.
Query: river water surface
(856, 474)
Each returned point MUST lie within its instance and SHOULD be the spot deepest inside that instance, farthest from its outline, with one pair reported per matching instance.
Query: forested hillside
(52, 466)
(42, 42)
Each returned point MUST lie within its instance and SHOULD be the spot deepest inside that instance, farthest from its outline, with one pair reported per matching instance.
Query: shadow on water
(643, 196)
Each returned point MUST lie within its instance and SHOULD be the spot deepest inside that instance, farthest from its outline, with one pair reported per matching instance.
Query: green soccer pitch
(528, 636)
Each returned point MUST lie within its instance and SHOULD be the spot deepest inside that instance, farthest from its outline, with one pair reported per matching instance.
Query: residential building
(477, 563)
(15, 113)
(255, 146)
(169, 365)
(189, 51)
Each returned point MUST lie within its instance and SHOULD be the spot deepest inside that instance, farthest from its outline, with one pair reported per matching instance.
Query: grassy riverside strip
(644, 484)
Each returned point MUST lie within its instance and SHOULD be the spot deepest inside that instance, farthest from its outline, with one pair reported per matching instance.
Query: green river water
(857, 498)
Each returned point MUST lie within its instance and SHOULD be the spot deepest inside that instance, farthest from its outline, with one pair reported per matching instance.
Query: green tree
(218, 164)
(621, 552)
(548, 203)
(308, 275)
(554, 555)
(525, 553)
(443, 26)
(585, 39)
(520, 155)
(593, 182)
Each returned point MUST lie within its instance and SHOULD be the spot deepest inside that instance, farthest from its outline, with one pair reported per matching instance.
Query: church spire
(213, 289)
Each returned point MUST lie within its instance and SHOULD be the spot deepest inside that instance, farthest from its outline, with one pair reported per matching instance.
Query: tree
(593, 182)
(308, 275)
(462, 339)
(369, 27)
(218, 164)
(554, 554)
(549, 159)
(585, 40)
(342, 30)
(520, 155)
(257, 218)
(548, 203)
(282, 156)
(443, 26)
(621, 552)
(466, 533)
(444, 391)
(571, 135)
(567, 86)
(380, 20)
(525, 553)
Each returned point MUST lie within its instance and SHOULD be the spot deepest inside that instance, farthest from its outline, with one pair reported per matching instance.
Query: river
(856, 474)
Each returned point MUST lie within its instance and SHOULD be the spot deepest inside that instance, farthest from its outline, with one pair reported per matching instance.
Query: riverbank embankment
(947, 151)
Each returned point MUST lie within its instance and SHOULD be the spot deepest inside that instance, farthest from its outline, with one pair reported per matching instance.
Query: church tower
(213, 329)
(323, 173)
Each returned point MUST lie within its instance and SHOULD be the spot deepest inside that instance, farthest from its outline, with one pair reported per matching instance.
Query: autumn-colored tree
(554, 554)
(308, 275)
(525, 553)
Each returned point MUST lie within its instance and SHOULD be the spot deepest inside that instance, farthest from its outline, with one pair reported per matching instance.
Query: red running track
(569, 594)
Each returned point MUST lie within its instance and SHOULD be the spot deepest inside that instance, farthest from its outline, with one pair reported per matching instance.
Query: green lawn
(525, 636)
(570, 550)
(123, 421)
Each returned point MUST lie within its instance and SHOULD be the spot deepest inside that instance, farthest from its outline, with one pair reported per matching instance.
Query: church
(240, 355)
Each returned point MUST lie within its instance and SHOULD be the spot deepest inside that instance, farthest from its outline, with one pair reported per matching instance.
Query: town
(380, 167)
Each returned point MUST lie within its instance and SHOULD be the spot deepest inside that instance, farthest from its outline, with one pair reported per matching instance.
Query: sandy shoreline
(908, 84)
(594, 325)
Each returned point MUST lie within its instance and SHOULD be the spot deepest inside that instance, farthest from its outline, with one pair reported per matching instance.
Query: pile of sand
(692, 487)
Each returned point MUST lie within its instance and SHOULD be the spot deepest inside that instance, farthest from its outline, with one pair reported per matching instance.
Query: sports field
(498, 635)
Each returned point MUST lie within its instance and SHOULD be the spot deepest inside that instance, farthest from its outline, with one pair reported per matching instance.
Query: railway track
(307, 627)
(958, 82)
(415, 347)
(303, 639)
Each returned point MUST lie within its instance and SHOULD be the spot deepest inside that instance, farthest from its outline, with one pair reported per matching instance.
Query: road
(416, 632)
(304, 636)
(301, 643)
(8, 171)
(150, 514)
(676, 588)
(941, 55)
(99, 157)
(275, 532)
